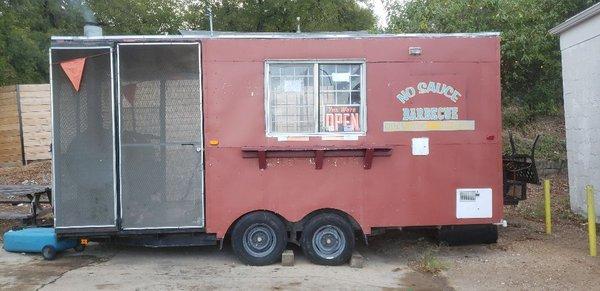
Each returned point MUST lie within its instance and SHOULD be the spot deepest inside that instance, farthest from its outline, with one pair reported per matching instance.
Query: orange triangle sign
(74, 71)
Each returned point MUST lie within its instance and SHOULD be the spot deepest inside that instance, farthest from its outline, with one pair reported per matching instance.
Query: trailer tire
(328, 239)
(49, 253)
(259, 238)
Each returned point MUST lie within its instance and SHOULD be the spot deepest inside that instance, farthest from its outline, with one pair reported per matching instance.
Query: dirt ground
(524, 258)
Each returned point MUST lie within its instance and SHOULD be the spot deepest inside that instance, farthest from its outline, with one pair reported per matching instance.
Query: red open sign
(342, 118)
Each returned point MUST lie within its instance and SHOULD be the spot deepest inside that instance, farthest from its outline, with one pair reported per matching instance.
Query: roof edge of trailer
(193, 34)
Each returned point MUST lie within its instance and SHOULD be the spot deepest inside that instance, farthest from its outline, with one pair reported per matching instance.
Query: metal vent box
(474, 203)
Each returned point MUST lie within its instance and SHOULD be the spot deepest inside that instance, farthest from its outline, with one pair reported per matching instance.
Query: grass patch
(561, 209)
(525, 125)
(550, 147)
(515, 116)
(429, 263)
(533, 211)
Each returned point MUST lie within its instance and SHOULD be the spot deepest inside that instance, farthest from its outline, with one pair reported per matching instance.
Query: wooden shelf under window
(318, 153)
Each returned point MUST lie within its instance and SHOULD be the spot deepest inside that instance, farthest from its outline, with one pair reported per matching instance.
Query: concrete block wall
(580, 48)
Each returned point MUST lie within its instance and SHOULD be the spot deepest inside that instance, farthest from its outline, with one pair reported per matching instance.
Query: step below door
(161, 149)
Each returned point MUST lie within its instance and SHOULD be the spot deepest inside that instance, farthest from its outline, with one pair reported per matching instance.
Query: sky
(381, 12)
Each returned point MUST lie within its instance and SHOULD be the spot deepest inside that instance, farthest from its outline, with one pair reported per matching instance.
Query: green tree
(531, 68)
(25, 30)
(26, 25)
(281, 15)
(138, 16)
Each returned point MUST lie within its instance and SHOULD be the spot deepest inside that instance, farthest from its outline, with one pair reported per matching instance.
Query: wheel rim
(329, 241)
(47, 252)
(259, 240)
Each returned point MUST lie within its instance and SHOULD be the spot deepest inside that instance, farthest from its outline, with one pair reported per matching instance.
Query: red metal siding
(399, 190)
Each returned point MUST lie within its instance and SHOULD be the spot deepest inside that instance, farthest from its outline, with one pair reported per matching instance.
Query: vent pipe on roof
(210, 20)
(92, 29)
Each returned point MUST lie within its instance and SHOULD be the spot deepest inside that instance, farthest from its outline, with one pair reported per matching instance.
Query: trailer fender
(344, 214)
(355, 224)
(232, 224)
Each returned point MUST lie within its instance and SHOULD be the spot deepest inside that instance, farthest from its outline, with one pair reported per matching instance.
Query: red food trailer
(274, 138)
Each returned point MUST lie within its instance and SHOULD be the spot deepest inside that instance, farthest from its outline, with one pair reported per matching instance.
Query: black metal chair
(518, 171)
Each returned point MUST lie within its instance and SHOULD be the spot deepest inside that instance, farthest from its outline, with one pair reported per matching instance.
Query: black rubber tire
(322, 220)
(49, 253)
(456, 235)
(79, 248)
(252, 220)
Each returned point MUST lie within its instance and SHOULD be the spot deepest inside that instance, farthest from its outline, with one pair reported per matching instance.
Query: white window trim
(316, 62)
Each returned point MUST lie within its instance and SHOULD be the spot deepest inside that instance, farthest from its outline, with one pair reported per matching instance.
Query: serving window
(315, 97)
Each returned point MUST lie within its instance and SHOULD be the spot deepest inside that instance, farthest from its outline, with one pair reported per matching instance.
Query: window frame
(317, 101)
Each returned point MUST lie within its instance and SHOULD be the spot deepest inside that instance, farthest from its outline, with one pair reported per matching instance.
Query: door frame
(118, 80)
(114, 122)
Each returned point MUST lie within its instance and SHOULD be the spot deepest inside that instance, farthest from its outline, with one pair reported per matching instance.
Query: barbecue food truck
(275, 138)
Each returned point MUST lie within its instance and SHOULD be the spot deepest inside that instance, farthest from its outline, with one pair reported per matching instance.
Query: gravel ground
(37, 173)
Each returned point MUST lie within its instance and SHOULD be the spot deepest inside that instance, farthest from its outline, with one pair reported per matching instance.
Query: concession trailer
(276, 138)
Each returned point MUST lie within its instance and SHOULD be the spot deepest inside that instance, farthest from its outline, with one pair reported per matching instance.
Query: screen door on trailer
(83, 137)
(160, 136)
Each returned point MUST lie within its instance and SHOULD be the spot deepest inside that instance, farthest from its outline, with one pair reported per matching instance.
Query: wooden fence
(25, 123)
(11, 150)
(35, 121)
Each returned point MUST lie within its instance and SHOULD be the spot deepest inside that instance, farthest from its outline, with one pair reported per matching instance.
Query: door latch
(198, 149)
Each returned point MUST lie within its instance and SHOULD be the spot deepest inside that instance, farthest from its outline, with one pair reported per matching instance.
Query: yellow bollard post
(547, 206)
(591, 219)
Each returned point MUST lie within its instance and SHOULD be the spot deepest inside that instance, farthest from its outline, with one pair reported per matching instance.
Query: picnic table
(21, 194)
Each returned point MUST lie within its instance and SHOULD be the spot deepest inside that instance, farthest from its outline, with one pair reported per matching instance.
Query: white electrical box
(474, 203)
(420, 146)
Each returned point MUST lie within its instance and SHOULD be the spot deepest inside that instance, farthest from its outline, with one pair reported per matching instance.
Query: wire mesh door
(83, 140)
(161, 153)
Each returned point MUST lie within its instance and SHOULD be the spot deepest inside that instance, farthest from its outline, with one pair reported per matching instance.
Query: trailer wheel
(49, 252)
(328, 239)
(259, 238)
